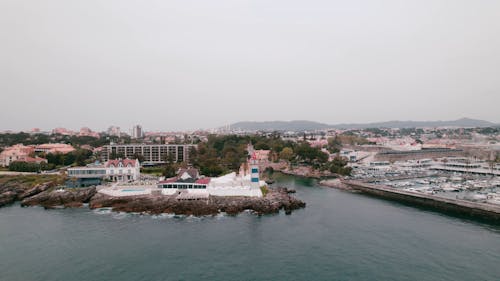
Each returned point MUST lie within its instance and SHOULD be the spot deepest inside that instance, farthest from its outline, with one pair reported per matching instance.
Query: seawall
(481, 211)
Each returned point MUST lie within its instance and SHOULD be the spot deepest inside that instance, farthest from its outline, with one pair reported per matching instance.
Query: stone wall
(475, 210)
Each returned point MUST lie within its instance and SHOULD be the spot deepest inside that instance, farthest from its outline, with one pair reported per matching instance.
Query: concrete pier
(481, 211)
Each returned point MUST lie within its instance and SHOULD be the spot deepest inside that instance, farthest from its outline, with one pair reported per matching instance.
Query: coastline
(47, 195)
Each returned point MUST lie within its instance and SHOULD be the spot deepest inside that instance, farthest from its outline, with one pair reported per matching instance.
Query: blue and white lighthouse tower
(253, 165)
(254, 171)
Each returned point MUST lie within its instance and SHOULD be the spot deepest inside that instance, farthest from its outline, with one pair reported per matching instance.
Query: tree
(169, 171)
(20, 166)
(334, 145)
(338, 166)
(82, 156)
(69, 158)
(139, 157)
(287, 154)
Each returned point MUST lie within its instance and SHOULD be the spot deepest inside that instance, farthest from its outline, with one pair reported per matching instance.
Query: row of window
(95, 172)
(87, 172)
(184, 186)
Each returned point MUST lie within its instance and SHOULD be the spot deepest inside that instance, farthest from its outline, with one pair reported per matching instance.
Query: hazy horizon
(184, 65)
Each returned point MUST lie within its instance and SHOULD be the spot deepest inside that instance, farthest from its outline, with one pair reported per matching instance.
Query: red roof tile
(203, 181)
(124, 162)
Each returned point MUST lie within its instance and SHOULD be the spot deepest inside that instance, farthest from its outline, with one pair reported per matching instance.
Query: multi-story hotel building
(152, 153)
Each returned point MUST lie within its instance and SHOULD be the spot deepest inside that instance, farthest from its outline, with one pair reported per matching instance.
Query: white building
(123, 169)
(189, 186)
(115, 170)
(227, 185)
(152, 153)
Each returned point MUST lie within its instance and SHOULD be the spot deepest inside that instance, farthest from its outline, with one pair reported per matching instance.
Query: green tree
(287, 154)
(169, 171)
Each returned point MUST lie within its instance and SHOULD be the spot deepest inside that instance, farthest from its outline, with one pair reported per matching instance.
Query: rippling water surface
(338, 236)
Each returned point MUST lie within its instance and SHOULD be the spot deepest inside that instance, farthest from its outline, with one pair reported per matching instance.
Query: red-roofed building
(54, 148)
(13, 153)
(123, 169)
(36, 160)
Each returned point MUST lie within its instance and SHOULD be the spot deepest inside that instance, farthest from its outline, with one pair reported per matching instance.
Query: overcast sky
(172, 65)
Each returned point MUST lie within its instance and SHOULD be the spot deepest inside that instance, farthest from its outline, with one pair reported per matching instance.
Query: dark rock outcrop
(7, 197)
(273, 202)
(11, 192)
(61, 197)
(34, 191)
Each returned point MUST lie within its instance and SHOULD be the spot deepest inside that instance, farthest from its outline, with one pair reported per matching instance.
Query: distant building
(318, 143)
(87, 132)
(114, 131)
(20, 153)
(152, 153)
(137, 132)
(63, 131)
(54, 148)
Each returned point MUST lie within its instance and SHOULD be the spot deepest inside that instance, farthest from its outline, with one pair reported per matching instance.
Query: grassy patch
(31, 180)
(153, 170)
(264, 189)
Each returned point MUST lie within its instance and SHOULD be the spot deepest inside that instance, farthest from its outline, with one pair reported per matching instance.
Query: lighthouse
(254, 171)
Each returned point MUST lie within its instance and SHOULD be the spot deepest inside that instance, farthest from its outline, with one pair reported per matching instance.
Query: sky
(182, 65)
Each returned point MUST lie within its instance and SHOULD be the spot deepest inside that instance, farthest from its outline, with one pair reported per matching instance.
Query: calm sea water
(338, 236)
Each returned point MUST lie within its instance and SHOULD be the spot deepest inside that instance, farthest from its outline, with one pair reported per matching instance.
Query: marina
(432, 177)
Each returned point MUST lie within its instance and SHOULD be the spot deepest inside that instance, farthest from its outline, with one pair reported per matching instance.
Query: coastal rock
(61, 197)
(335, 183)
(13, 191)
(34, 191)
(7, 197)
(273, 202)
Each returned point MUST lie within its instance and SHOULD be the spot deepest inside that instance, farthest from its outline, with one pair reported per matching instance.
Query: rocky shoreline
(13, 191)
(336, 183)
(47, 196)
(61, 197)
(276, 200)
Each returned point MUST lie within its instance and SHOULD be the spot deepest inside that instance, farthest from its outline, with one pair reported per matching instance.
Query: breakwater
(481, 211)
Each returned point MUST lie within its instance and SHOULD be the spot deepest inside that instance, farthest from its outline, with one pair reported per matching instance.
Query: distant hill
(296, 125)
(303, 125)
(463, 122)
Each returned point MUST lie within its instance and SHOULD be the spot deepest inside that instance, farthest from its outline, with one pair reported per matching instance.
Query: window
(255, 170)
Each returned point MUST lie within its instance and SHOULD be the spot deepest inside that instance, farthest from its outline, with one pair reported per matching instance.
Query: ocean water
(338, 236)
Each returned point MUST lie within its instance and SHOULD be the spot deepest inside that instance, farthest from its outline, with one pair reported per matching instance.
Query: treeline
(18, 166)
(222, 154)
(79, 157)
(9, 139)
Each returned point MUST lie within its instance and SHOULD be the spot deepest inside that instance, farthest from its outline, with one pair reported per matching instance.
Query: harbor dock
(476, 210)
